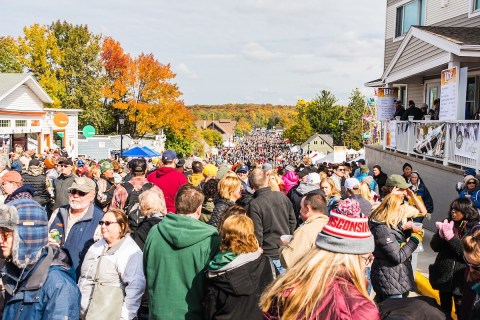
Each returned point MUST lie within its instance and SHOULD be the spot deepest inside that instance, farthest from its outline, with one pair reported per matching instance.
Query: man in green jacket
(176, 255)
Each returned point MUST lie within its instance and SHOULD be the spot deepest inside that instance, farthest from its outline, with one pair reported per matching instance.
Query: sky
(246, 51)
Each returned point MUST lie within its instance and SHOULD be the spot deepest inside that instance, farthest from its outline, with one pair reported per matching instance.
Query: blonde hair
(323, 175)
(365, 192)
(152, 201)
(335, 191)
(309, 280)
(471, 245)
(228, 185)
(238, 235)
(389, 211)
(95, 171)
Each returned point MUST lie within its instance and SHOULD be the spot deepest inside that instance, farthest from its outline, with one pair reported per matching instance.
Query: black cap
(66, 161)
(34, 162)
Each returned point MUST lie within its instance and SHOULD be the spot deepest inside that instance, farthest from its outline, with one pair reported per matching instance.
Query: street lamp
(340, 122)
(121, 122)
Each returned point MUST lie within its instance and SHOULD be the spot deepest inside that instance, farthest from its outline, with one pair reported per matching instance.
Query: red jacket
(169, 180)
(342, 301)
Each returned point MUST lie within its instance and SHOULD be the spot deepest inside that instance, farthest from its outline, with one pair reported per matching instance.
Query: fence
(450, 142)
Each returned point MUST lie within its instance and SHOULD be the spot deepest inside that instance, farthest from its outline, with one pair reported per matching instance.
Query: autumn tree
(41, 56)
(10, 58)
(243, 127)
(352, 135)
(81, 73)
(299, 132)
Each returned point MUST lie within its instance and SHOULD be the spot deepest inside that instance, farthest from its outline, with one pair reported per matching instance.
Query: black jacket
(235, 293)
(392, 268)
(140, 235)
(412, 111)
(39, 183)
(61, 185)
(447, 273)
(220, 206)
(297, 193)
(273, 216)
(381, 180)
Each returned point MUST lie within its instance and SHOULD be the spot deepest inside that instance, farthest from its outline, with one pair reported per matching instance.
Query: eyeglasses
(475, 267)
(80, 193)
(368, 260)
(5, 234)
(107, 223)
(341, 169)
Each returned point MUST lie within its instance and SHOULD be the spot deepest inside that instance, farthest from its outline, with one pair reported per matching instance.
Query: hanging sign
(88, 131)
(386, 103)
(448, 94)
(60, 119)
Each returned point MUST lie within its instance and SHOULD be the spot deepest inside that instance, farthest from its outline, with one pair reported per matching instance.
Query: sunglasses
(80, 193)
(5, 234)
(471, 182)
(107, 223)
(64, 165)
(475, 267)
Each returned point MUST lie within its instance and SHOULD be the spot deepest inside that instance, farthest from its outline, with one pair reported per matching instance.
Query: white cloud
(255, 51)
(183, 70)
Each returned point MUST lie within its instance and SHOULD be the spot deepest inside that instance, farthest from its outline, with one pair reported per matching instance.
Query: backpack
(132, 209)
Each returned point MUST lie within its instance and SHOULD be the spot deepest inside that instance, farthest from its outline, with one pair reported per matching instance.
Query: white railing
(451, 142)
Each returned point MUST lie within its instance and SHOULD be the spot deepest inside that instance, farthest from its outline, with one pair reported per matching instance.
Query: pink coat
(290, 179)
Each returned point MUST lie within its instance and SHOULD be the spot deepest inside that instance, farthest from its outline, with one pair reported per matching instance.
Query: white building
(24, 122)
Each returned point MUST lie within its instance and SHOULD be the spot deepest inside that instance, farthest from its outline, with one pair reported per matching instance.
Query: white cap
(351, 183)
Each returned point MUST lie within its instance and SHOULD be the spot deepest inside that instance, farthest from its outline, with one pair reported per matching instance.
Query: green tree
(300, 131)
(10, 59)
(243, 127)
(323, 114)
(81, 74)
(352, 134)
(212, 137)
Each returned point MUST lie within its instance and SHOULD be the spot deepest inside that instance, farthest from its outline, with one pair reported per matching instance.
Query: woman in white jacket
(113, 266)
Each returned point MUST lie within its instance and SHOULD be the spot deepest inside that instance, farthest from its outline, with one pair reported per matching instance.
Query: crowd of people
(256, 233)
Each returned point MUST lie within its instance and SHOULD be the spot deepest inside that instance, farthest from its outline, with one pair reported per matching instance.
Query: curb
(425, 289)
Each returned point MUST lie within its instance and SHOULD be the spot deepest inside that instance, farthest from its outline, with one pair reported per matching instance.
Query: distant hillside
(257, 115)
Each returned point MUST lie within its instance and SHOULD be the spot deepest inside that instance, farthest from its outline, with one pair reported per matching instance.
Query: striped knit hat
(347, 230)
(29, 223)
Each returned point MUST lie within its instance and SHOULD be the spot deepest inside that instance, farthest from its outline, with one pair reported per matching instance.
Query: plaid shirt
(120, 195)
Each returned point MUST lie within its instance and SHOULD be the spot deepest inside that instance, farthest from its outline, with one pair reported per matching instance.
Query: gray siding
(392, 2)
(415, 93)
(460, 21)
(416, 51)
(390, 50)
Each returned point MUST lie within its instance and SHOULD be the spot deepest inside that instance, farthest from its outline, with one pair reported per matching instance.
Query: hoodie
(290, 179)
(176, 255)
(169, 180)
(235, 285)
(195, 178)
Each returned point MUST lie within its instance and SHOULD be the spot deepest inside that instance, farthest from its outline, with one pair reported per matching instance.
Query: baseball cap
(469, 172)
(243, 168)
(169, 155)
(352, 183)
(398, 181)
(80, 163)
(180, 163)
(362, 161)
(83, 184)
(106, 166)
(66, 161)
(11, 176)
(210, 170)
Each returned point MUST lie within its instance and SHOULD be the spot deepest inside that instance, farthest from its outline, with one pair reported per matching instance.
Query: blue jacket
(423, 192)
(46, 291)
(474, 196)
(81, 234)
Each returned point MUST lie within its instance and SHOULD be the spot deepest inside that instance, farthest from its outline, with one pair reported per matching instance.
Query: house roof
(9, 82)
(225, 125)
(460, 41)
(325, 137)
(458, 35)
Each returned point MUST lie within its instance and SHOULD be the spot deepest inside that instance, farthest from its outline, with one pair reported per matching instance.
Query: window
(315, 142)
(20, 123)
(35, 123)
(4, 123)
(470, 99)
(323, 142)
(410, 14)
(476, 5)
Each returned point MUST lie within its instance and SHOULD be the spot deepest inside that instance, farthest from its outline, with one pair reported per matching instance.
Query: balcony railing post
(384, 127)
(409, 136)
(446, 147)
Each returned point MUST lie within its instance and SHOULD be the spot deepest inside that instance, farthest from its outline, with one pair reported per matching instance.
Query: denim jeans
(278, 265)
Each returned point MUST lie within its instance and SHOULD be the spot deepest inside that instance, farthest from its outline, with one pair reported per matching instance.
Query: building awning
(426, 50)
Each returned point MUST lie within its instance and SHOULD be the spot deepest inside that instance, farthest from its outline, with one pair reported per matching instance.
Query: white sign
(448, 95)
(466, 140)
(386, 103)
(339, 154)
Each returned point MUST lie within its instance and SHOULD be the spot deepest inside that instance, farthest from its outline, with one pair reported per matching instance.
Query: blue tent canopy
(137, 152)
